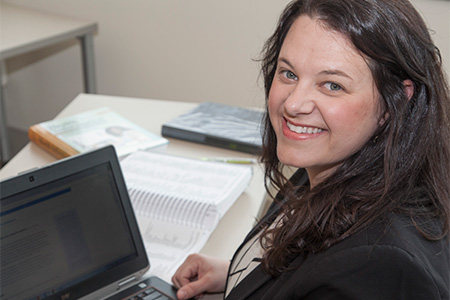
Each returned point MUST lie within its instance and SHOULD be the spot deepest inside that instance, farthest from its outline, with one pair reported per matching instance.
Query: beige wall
(188, 50)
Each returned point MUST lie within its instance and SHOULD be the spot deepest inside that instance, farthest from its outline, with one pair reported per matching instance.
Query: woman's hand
(200, 274)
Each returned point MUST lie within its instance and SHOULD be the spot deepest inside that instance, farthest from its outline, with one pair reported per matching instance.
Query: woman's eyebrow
(335, 72)
(324, 72)
(284, 60)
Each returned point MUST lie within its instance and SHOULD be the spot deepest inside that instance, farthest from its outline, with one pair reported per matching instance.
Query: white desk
(151, 114)
(24, 30)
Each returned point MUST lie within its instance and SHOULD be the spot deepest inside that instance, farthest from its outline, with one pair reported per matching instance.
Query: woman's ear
(408, 87)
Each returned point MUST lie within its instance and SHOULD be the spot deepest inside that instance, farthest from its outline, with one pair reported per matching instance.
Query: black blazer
(376, 263)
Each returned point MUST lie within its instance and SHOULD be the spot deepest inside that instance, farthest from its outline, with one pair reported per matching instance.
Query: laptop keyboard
(149, 294)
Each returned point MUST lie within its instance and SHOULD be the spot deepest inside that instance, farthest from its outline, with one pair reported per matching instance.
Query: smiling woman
(356, 100)
(383, 154)
(330, 109)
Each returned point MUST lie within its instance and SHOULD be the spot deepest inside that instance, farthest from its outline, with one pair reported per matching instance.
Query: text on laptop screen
(55, 236)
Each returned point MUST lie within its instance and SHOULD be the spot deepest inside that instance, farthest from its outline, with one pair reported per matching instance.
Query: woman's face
(323, 103)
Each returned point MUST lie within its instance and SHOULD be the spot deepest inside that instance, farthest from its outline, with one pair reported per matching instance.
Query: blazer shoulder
(390, 260)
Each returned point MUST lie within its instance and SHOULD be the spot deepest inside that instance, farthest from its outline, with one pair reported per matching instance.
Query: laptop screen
(69, 235)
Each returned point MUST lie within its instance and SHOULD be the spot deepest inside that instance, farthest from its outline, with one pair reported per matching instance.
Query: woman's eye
(333, 86)
(290, 75)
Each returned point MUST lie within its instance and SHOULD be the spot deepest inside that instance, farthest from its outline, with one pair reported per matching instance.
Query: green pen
(231, 160)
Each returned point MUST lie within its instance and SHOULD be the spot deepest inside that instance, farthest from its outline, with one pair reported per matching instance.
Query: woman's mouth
(303, 129)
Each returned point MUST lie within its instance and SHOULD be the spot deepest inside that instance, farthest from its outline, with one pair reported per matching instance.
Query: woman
(357, 100)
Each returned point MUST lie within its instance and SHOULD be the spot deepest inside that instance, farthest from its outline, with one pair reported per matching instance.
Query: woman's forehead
(310, 41)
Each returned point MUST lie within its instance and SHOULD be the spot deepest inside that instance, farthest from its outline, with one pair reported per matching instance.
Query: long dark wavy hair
(404, 168)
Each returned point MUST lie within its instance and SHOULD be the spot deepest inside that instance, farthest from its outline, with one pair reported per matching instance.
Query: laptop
(68, 231)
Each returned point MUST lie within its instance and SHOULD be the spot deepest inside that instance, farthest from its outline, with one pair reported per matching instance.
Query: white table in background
(24, 30)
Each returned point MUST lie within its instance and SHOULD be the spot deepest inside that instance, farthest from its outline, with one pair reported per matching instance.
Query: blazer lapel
(252, 282)
(252, 286)
(257, 278)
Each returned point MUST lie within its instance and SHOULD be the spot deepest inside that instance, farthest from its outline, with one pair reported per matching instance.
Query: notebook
(68, 231)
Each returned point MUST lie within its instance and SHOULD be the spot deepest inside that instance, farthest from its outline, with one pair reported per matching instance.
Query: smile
(303, 129)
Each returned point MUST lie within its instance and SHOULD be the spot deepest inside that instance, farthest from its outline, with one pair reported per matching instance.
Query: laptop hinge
(126, 281)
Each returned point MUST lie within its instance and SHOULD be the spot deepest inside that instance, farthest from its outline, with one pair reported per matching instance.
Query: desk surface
(25, 29)
(151, 114)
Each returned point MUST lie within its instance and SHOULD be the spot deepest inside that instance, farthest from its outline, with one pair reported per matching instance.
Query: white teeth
(301, 129)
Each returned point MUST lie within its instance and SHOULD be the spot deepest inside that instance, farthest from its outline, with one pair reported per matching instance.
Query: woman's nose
(300, 100)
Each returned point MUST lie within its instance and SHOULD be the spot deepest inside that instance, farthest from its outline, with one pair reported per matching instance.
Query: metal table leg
(87, 50)
(4, 140)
